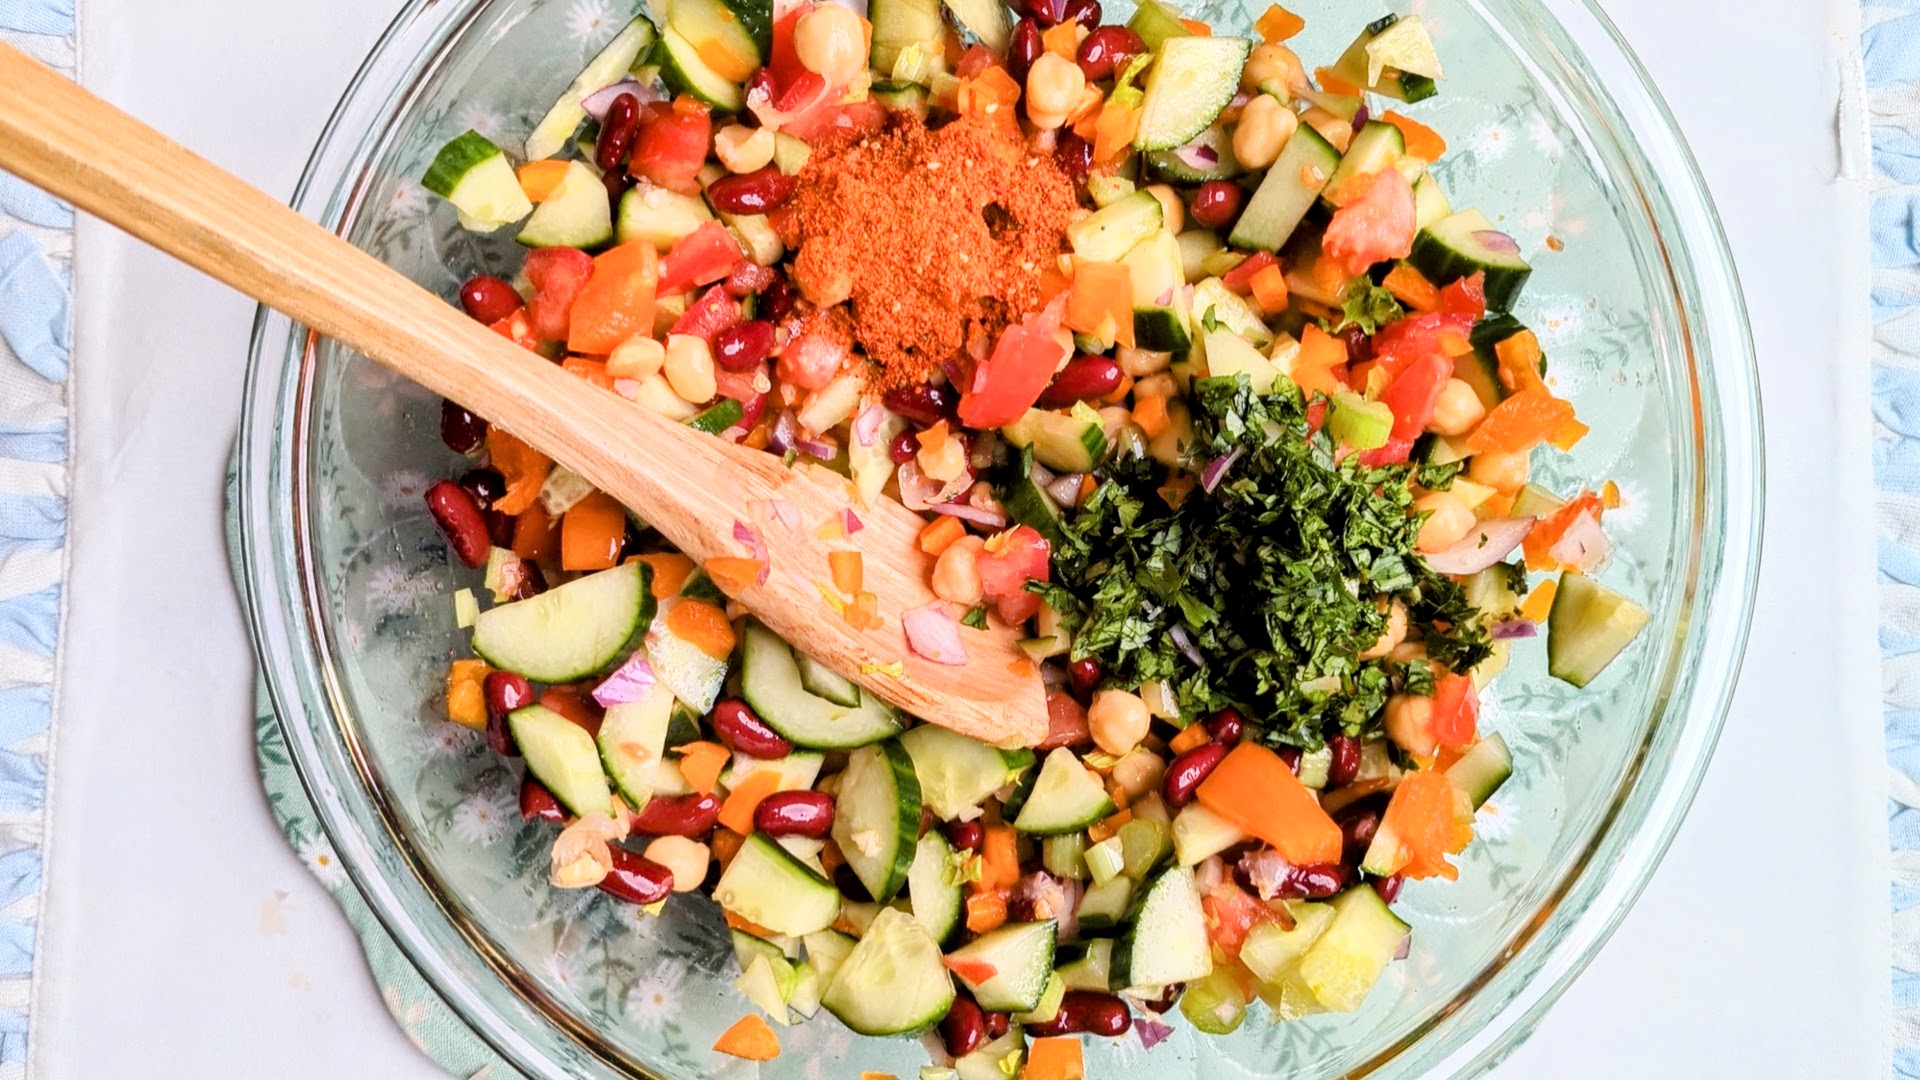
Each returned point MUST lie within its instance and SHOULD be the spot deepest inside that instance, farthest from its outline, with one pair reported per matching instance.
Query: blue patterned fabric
(36, 335)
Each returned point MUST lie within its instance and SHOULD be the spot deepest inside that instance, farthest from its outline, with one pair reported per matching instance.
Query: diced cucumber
(770, 681)
(870, 465)
(933, 898)
(719, 37)
(747, 948)
(1376, 146)
(901, 96)
(1191, 81)
(1190, 164)
(1482, 769)
(822, 681)
(1067, 796)
(756, 17)
(1107, 234)
(766, 982)
(1460, 244)
(571, 631)
(1196, 247)
(632, 739)
(804, 998)
(795, 772)
(1199, 833)
(1536, 502)
(1063, 441)
(1212, 299)
(476, 177)
(1157, 23)
(660, 217)
(893, 982)
(1105, 189)
(1092, 969)
(834, 402)
(857, 915)
(1348, 959)
(1166, 937)
(1020, 959)
(1588, 626)
(957, 773)
(684, 71)
(984, 19)
(1429, 201)
(1357, 66)
(1287, 193)
(1403, 46)
(827, 950)
(1064, 855)
(609, 66)
(876, 817)
(1491, 592)
(1143, 843)
(575, 215)
(1049, 1005)
(898, 24)
(766, 885)
(1103, 910)
(562, 756)
(717, 417)
(1270, 950)
(1027, 503)
(694, 675)
(1229, 354)
(997, 1060)
(1161, 310)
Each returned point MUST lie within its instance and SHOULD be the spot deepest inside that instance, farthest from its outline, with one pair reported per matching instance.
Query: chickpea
(831, 42)
(743, 149)
(1410, 724)
(636, 358)
(1265, 126)
(1054, 86)
(1118, 721)
(1139, 772)
(1274, 66)
(1160, 385)
(689, 368)
(1458, 410)
(686, 858)
(1449, 522)
(956, 573)
(1502, 472)
(1141, 363)
(1407, 652)
(1393, 635)
(1173, 212)
(1331, 126)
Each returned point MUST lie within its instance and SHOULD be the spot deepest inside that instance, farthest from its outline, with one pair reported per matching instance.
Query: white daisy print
(482, 818)
(353, 633)
(1497, 820)
(1558, 321)
(405, 486)
(1490, 143)
(408, 199)
(474, 116)
(318, 854)
(449, 741)
(1631, 514)
(588, 21)
(393, 589)
(566, 969)
(652, 1000)
(1541, 134)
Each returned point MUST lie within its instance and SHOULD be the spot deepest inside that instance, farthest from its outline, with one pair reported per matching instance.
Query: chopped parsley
(1368, 307)
(1273, 580)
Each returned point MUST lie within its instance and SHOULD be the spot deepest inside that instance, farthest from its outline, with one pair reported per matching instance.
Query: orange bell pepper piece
(1422, 141)
(1269, 285)
(617, 300)
(1191, 737)
(737, 812)
(1321, 365)
(986, 910)
(1062, 39)
(848, 570)
(1425, 816)
(733, 574)
(1539, 543)
(466, 701)
(592, 532)
(939, 535)
(1056, 1058)
(1411, 287)
(539, 178)
(1277, 24)
(1253, 788)
(750, 1039)
(1113, 131)
(585, 367)
(1521, 422)
(704, 626)
(536, 534)
(1539, 602)
(521, 466)
(670, 572)
(999, 857)
(700, 765)
(1519, 362)
(1334, 84)
(1101, 302)
(1151, 414)
(1197, 28)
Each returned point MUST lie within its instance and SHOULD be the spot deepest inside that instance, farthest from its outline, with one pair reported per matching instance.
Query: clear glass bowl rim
(513, 1017)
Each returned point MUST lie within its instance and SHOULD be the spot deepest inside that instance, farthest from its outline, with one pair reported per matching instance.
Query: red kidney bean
(744, 732)
(462, 431)
(1359, 345)
(1217, 203)
(1023, 48)
(1290, 755)
(764, 189)
(744, 345)
(1084, 378)
(677, 815)
(1074, 156)
(761, 82)
(964, 1027)
(1316, 881)
(850, 885)
(537, 803)
(748, 279)
(966, 835)
(1167, 998)
(904, 446)
(499, 528)
(1088, 1011)
(616, 183)
(1084, 674)
(996, 1025)
(1189, 769)
(923, 403)
(1045, 12)
(504, 692)
(1225, 726)
(488, 299)
(1357, 827)
(1388, 887)
(1346, 760)
(1084, 12)
(485, 485)
(533, 582)
(636, 878)
(777, 300)
(1107, 51)
(460, 522)
(617, 132)
(795, 813)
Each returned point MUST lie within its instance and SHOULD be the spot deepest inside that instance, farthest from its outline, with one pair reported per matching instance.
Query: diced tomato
(1414, 392)
(740, 386)
(1010, 380)
(702, 257)
(1540, 541)
(1376, 224)
(617, 301)
(518, 329)
(558, 274)
(811, 360)
(977, 59)
(1466, 297)
(1008, 562)
(838, 120)
(784, 62)
(1316, 415)
(1239, 280)
(716, 310)
(673, 144)
(1066, 722)
(1456, 711)
(1396, 451)
(1232, 912)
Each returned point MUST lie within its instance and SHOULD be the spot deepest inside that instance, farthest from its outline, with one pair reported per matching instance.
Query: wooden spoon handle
(691, 487)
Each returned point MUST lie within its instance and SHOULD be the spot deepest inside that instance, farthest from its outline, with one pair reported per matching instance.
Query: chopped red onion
(921, 492)
(1266, 871)
(1216, 469)
(817, 448)
(1514, 628)
(632, 681)
(785, 430)
(934, 634)
(734, 434)
(1165, 298)
(866, 426)
(1360, 118)
(747, 535)
(598, 102)
(1048, 895)
(1211, 872)
(1584, 546)
(1497, 241)
(1489, 542)
(1198, 155)
(850, 521)
(1185, 644)
(1405, 949)
(986, 519)
(1041, 475)
(1068, 917)
(1066, 489)
(1152, 1032)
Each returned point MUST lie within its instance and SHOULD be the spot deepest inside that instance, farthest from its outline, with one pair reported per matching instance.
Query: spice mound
(940, 238)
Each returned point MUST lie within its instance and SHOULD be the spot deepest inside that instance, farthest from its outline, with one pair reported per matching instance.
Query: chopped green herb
(977, 618)
(1368, 308)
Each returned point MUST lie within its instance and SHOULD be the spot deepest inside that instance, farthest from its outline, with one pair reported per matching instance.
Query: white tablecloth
(181, 937)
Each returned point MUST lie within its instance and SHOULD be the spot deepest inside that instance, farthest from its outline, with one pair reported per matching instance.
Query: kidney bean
(1225, 726)
(1290, 755)
(1357, 826)
(744, 345)
(462, 431)
(485, 485)
(1388, 887)
(1088, 1011)
(795, 813)
(488, 299)
(748, 279)
(617, 132)
(1346, 760)
(1023, 48)
(964, 1027)
(777, 300)
(903, 447)
(1107, 51)
(691, 815)
(499, 528)
(1022, 908)
(533, 581)
(1084, 378)
(616, 184)
(996, 1025)
(460, 522)
(537, 803)
(1359, 345)
(1074, 156)
(966, 835)
(761, 82)
(1084, 674)
(1217, 203)
(1066, 723)
(504, 692)
(636, 878)
(1189, 769)
(1045, 12)
(1084, 12)
(744, 732)
(764, 189)
(1316, 881)
(850, 885)
(1167, 998)
(923, 403)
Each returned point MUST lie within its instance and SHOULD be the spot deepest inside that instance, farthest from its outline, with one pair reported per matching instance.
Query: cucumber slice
(1166, 939)
(609, 66)
(827, 950)
(576, 215)
(1491, 593)
(1062, 441)
(1157, 23)
(766, 982)
(1188, 164)
(476, 177)
(1481, 770)
(795, 772)
(870, 466)
(1049, 1006)
(1229, 354)
(1211, 299)
(571, 631)
(770, 681)
(804, 998)
(1066, 797)
(957, 773)
(756, 17)
(748, 947)
(632, 740)
(1269, 951)
(658, 216)
(1286, 194)
(1430, 203)
(1020, 957)
(876, 818)
(1455, 247)
(766, 885)
(893, 982)
(695, 676)
(1588, 626)
(934, 899)
(1357, 66)
(899, 24)
(685, 72)
(1404, 46)
(1191, 80)
(1160, 306)
(1196, 247)
(997, 1060)
(901, 96)
(719, 38)
(1104, 907)
(1376, 146)
(717, 417)
(985, 19)
(1349, 958)
(1027, 503)
(1107, 234)
(1087, 966)
(1315, 765)
(561, 755)
(821, 681)
(1106, 189)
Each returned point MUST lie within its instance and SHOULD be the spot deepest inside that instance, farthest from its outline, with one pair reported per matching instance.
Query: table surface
(179, 922)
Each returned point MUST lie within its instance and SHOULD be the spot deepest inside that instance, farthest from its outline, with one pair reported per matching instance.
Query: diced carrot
(1422, 141)
(725, 844)
(1519, 362)
(847, 571)
(569, 702)
(1197, 28)
(521, 466)
(1190, 737)
(1568, 435)
(1539, 602)
(999, 857)
(670, 572)
(1062, 39)
(466, 701)
(536, 534)
(539, 178)
(1277, 24)
(1150, 413)
(1334, 84)
(750, 1039)
(932, 439)
(1269, 285)
(1176, 488)
(1253, 788)
(744, 924)
(734, 575)
(986, 910)
(592, 532)
(941, 533)
(704, 626)
(1106, 827)
(1412, 288)
(700, 765)
(737, 812)
(1114, 128)
(1088, 485)
(864, 612)
(585, 367)
(1101, 302)
(1056, 1058)
(1521, 422)
(617, 300)
(1424, 815)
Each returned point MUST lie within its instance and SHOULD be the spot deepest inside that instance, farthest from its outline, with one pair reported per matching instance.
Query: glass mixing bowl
(1555, 133)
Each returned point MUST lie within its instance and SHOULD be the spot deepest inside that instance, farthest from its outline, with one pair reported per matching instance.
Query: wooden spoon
(692, 487)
